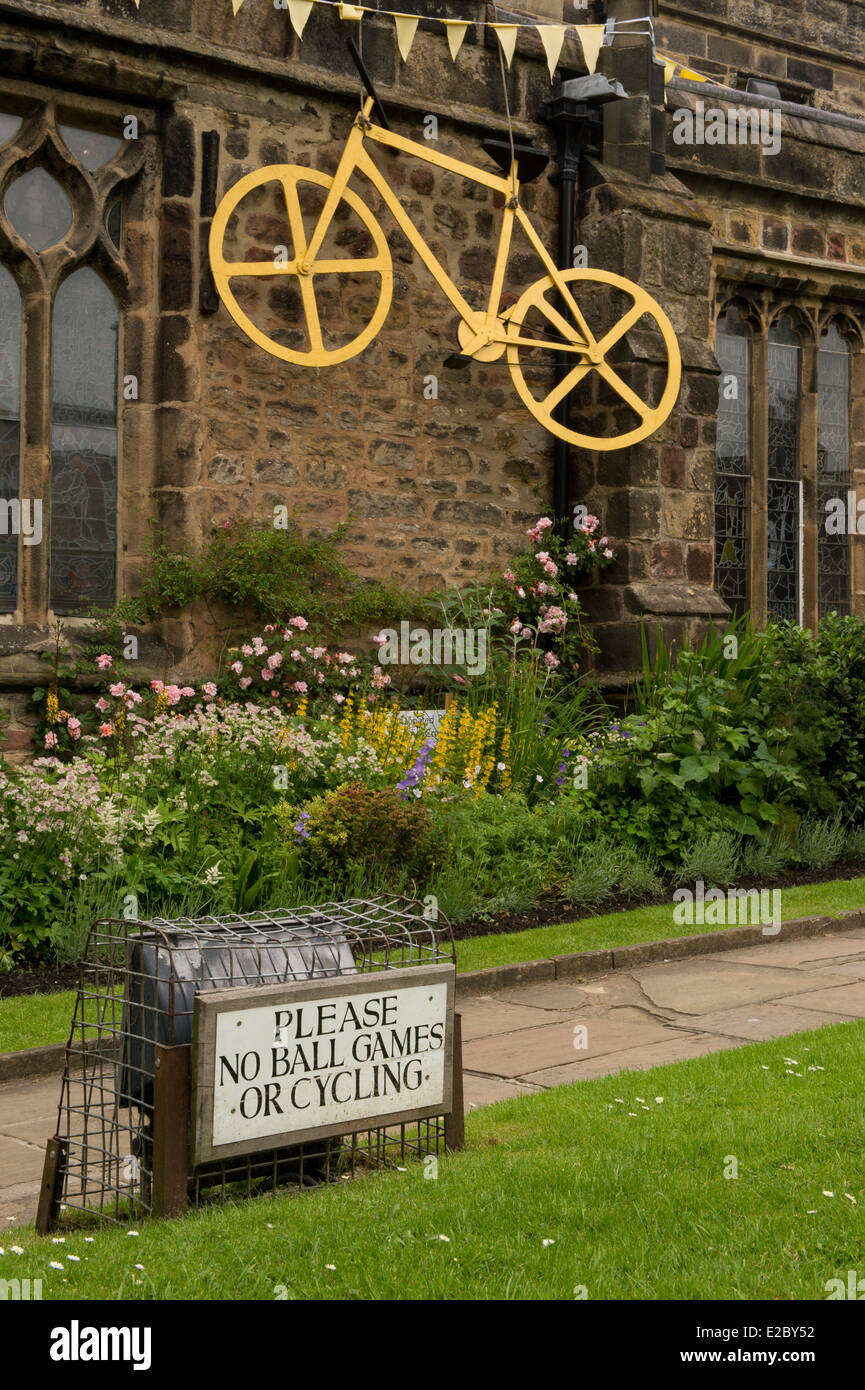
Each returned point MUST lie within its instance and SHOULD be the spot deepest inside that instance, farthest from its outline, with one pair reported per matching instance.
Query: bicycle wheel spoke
(259, 268)
(619, 329)
(295, 217)
(566, 385)
(577, 313)
(310, 309)
(360, 266)
(622, 389)
(560, 322)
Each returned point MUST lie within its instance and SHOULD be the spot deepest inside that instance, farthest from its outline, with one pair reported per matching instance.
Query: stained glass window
(92, 148)
(10, 435)
(783, 486)
(833, 470)
(84, 444)
(733, 461)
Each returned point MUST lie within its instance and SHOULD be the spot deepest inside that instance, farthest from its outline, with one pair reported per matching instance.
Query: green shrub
(713, 858)
(372, 829)
(819, 843)
(768, 858)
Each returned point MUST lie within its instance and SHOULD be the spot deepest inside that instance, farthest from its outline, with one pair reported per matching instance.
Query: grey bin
(167, 969)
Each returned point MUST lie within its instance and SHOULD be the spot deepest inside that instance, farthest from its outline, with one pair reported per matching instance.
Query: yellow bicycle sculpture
(484, 335)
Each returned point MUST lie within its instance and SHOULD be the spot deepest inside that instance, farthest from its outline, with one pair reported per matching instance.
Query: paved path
(521, 1040)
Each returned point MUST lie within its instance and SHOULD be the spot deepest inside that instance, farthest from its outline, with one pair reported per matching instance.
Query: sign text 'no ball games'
(285, 1063)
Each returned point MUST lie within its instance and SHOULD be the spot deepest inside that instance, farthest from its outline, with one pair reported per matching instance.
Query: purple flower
(300, 826)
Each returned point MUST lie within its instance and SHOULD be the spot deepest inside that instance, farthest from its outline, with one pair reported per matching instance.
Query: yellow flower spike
(52, 706)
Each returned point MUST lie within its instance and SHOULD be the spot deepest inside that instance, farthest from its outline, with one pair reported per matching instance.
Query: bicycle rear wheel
(564, 331)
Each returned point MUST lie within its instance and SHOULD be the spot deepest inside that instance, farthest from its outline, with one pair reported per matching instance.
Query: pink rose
(300, 623)
(106, 730)
(158, 686)
(102, 705)
(300, 687)
(245, 681)
(50, 740)
(117, 689)
(237, 667)
(571, 558)
(74, 727)
(274, 661)
(187, 691)
(104, 661)
(608, 554)
(209, 689)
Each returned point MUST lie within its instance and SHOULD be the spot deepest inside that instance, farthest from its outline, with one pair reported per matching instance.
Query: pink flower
(608, 554)
(379, 639)
(526, 634)
(132, 697)
(521, 593)
(380, 679)
(237, 667)
(270, 627)
(300, 687)
(296, 654)
(274, 694)
(543, 524)
(274, 661)
(74, 727)
(510, 577)
(209, 689)
(571, 558)
(542, 588)
(551, 567)
(339, 699)
(244, 682)
(104, 661)
(102, 704)
(50, 740)
(247, 650)
(553, 620)
(264, 673)
(106, 730)
(117, 689)
(320, 677)
(515, 626)
(550, 660)
(543, 556)
(300, 623)
(461, 680)
(605, 540)
(187, 691)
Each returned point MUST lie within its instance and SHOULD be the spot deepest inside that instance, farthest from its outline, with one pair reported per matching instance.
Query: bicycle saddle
(531, 163)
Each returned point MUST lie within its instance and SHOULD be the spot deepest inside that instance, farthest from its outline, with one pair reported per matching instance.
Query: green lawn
(632, 1197)
(36, 1019)
(643, 924)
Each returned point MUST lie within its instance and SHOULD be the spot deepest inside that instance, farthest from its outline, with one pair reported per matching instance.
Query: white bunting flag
(669, 68)
(299, 12)
(353, 12)
(508, 38)
(456, 32)
(591, 37)
(552, 37)
(406, 28)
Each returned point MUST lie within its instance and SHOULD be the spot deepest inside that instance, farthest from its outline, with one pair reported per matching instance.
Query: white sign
(280, 1064)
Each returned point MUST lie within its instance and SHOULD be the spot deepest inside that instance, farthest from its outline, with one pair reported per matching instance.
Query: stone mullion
(857, 471)
(36, 453)
(808, 474)
(759, 476)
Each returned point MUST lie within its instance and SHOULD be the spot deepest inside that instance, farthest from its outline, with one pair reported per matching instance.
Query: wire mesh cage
(137, 995)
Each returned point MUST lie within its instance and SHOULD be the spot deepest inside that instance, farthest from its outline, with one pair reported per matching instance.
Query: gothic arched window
(833, 471)
(784, 487)
(733, 461)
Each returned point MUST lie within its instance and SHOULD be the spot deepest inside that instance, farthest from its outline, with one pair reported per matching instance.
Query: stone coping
(41, 1061)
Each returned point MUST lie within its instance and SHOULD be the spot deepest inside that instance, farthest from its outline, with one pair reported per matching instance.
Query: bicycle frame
(489, 328)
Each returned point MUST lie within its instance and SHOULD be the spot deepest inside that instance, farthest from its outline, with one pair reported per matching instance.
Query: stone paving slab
(517, 1054)
(679, 1048)
(485, 1090)
(492, 1016)
(757, 1022)
(702, 986)
(848, 999)
(802, 953)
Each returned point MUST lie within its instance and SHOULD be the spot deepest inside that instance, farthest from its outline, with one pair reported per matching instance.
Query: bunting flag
(507, 36)
(298, 12)
(406, 28)
(552, 37)
(591, 37)
(352, 12)
(235, 5)
(672, 68)
(456, 32)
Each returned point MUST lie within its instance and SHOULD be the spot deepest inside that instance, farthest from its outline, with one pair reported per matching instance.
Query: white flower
(55, 1264)
(76, 1258)
(548, 1242)
(16, 1249)
(447, 1238)
(330, 1266)
(828, 1194)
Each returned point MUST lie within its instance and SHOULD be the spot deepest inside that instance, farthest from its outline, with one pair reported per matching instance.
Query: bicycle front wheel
(316, 315)
(584, 335)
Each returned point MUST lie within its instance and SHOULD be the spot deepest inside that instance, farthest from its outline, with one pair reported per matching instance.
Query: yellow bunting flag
(508, 38)
(669, 68)
(552, 37)
(354, 12)
(591, 37)
(299, 12)
(406, 28)
(235, 5)
(456, 32)
(692, 76)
